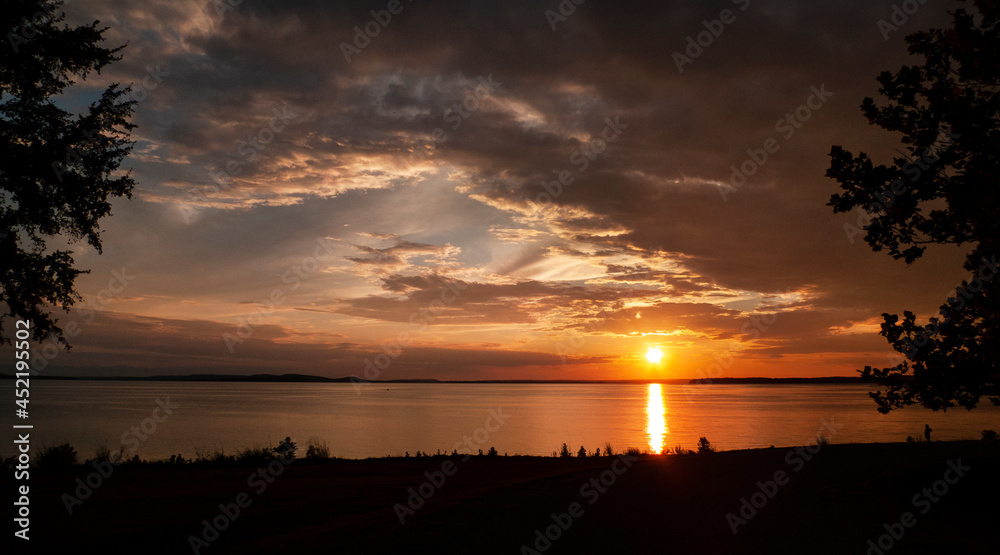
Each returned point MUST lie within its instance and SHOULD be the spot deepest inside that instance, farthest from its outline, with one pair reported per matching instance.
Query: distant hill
(306, 378)
(319, 379)
(204, 378)
(775, 381)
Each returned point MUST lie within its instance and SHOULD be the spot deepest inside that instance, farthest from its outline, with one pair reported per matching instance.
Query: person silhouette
(927, 431)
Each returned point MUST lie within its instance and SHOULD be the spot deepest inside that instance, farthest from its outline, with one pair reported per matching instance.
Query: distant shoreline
(306, 378)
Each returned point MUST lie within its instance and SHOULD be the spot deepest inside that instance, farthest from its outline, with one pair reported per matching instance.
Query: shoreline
(250, 456)
(832, 500)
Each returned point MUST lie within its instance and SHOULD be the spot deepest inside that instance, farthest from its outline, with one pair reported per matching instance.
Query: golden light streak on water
(656, 419)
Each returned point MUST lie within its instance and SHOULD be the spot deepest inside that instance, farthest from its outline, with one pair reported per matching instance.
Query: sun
(654, 355)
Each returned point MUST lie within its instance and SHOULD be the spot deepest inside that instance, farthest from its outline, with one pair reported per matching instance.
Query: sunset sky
(304, 206)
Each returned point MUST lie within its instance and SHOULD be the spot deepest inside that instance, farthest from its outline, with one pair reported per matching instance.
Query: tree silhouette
(943, 190)
(564, 452)
(705, 446)
(56, 168)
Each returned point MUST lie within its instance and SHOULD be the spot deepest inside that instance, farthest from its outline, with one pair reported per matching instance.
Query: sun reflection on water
(656, 419)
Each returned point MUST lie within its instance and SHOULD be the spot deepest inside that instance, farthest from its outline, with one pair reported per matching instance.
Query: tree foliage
(58, 170)
(942, 190)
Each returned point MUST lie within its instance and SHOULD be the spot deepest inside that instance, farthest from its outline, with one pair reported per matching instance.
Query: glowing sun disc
(654, 355)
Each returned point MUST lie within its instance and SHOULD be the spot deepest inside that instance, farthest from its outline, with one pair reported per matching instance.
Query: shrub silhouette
(286, 449)
(564, 452)
(104, 454)
(59, 456)
(317, 449)
(249, 455)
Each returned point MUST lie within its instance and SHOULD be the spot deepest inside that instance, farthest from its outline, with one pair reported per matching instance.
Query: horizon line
(354, 379)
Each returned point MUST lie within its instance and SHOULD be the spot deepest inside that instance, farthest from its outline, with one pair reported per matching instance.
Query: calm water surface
(536, 419)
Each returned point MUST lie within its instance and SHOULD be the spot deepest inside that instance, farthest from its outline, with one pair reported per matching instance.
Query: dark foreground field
(836, 502)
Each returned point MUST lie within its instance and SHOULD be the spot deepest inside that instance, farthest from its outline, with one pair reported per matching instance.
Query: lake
(371, 420)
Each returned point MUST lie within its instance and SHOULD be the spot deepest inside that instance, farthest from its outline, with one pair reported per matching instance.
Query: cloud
(563, 178)
(397, 257)
(144, 346)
